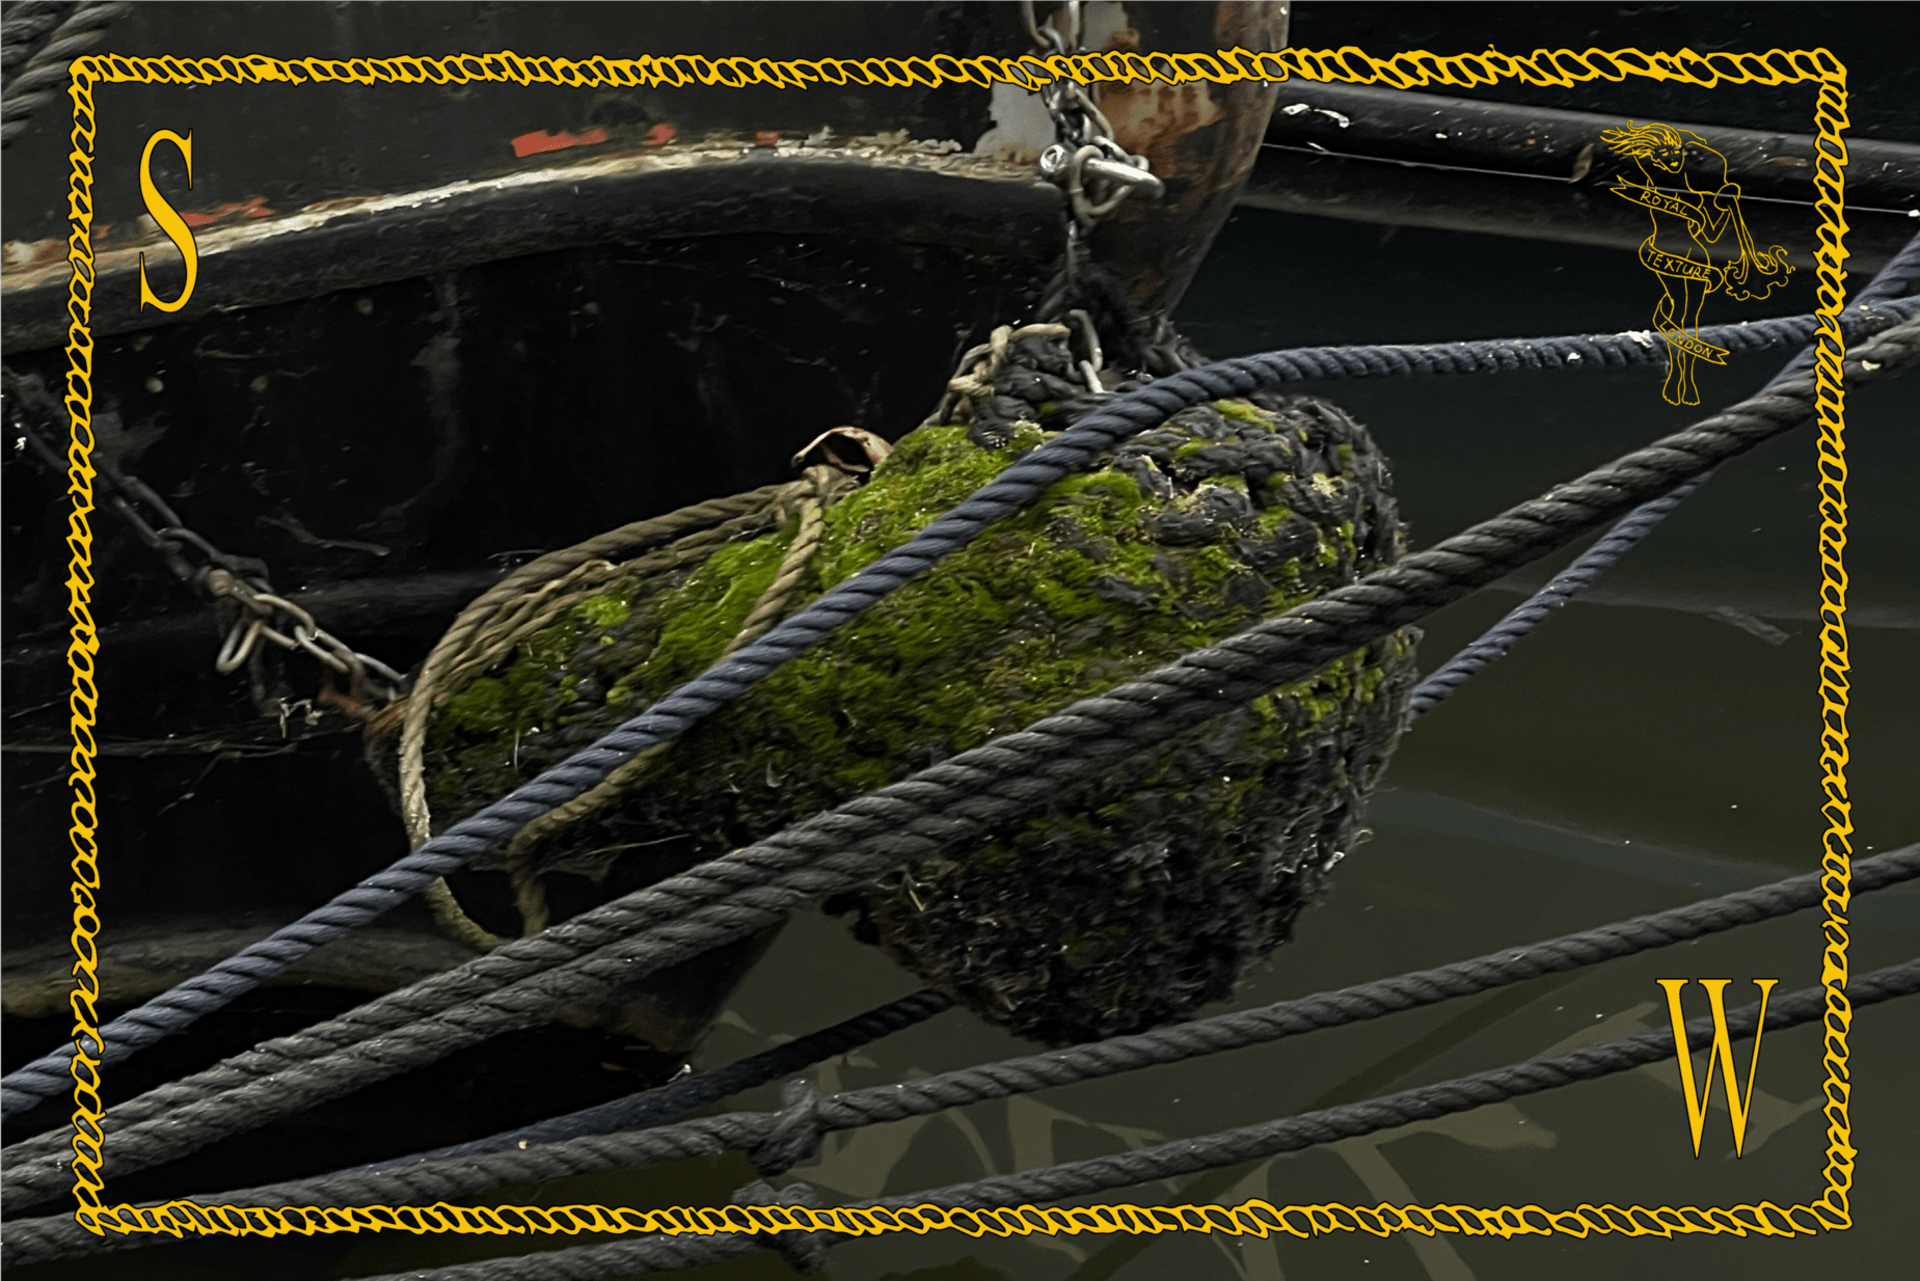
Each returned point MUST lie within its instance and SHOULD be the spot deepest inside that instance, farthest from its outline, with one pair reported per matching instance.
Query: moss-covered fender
(1137, 896)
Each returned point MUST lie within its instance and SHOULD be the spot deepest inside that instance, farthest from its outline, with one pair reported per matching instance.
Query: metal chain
(1094, 171)
(264, 614)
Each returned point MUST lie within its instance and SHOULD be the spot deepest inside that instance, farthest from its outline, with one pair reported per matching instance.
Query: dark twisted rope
(1014, 489)
(1498, 640)
(676, 1099)
(678, 710)
(1231, 1147)
(44, 75)
(1182, 1156)
(21, 27)
(1423, 1103)
(806, 1119)
(1900, 276)
(959, 798)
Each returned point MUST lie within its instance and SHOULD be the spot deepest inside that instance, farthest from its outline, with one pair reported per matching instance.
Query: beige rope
(495, 641)
(451, 917)
(487, 645)
(826, 483)
(543, 569)
(509, 610)
(987, 360)
(540, 593)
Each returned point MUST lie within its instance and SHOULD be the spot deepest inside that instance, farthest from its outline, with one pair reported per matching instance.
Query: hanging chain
(264, 615)
(1095, 171)
(1091, 168)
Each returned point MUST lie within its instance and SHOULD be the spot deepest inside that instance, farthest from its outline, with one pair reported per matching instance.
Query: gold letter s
(170, 222)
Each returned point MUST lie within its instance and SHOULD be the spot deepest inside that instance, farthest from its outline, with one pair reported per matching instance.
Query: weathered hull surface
(435, 331)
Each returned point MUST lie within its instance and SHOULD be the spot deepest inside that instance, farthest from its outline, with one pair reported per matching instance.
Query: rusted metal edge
(900, 193)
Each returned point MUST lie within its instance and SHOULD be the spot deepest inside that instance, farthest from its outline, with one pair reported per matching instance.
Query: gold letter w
(1722, 1054)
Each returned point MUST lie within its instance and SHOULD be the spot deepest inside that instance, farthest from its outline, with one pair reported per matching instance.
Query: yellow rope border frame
(1253, 1218)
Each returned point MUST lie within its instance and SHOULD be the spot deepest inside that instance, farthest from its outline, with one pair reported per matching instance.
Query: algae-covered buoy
(1135, 897)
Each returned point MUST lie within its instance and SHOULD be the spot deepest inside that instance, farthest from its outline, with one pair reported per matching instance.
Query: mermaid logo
(1688, 223)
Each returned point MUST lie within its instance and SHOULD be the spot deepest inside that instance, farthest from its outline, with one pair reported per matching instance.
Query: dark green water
(1655, 743)
(1644, 749)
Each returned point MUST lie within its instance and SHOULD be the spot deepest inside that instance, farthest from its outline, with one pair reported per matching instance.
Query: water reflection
(1653, 745)
(1650, 746)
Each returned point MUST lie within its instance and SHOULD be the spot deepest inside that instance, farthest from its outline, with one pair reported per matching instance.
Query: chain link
(264, 615)
(1094, 170)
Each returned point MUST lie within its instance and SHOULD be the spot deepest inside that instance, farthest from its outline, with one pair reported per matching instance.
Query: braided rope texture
(599, 951)
(21, 30)
(676, 1099)
(495, 621)
(40, 1240)
(1498, 640)
(785, 1138)
(44, 76)
(1462, 1094)
(1011, 491)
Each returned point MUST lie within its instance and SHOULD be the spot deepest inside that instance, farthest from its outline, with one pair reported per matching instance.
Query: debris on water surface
(1137, 896)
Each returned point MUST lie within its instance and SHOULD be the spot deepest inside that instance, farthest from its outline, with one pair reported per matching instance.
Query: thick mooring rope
(1242, 1028)
(1014, 489)
(777, 1141)
(44, 73)
(21, 29)
(541, 592)
(467, 1172)
(1189, 1156)
(676, 1099)
(1497, 641)
(522, 603)
(749, 889)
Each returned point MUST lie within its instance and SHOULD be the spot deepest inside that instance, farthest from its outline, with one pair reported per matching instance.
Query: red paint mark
(253, 208)
(532, 144)
(660, 135)
(766, 137)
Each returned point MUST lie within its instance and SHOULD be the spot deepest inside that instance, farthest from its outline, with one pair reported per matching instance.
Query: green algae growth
(1136, 896)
